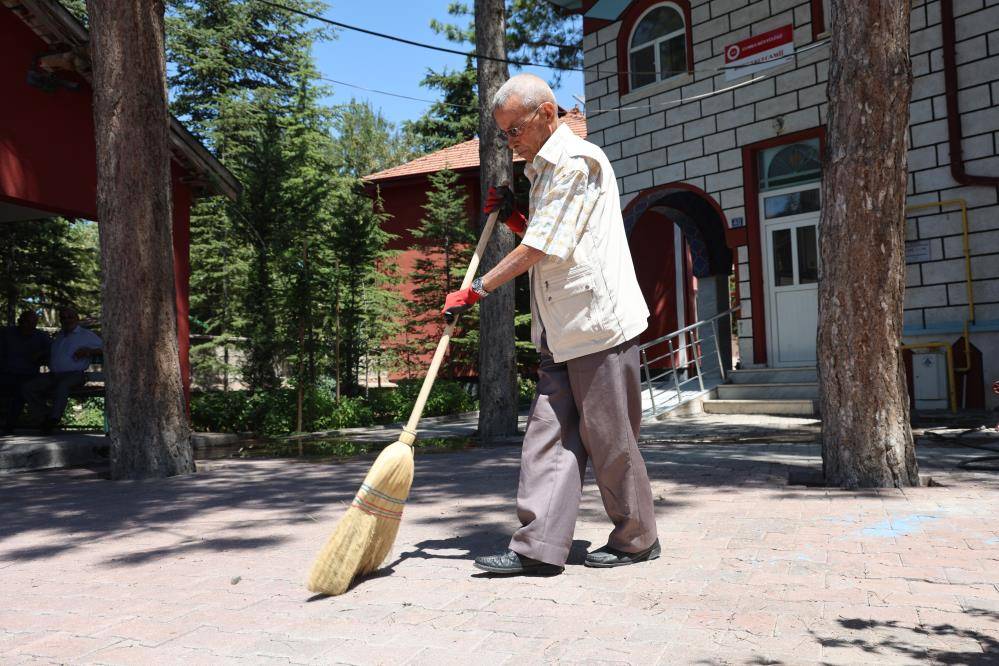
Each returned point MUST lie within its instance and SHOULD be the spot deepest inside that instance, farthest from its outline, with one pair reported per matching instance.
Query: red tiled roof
(462, 155)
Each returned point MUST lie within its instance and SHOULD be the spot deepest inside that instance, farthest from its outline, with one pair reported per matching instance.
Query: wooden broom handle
(409, 432)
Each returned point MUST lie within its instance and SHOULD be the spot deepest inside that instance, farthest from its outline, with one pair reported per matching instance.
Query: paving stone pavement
(209, 568)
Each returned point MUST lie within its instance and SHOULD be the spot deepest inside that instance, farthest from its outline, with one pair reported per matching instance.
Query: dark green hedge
(274, 412)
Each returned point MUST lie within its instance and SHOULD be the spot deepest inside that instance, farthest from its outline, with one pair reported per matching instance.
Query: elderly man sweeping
(587, 312)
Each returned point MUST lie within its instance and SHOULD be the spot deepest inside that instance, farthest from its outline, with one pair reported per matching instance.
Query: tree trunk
(866, 439)
(150, 435)
(497, 361)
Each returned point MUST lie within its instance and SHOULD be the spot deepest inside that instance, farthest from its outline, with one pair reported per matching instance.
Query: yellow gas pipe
(951, 370)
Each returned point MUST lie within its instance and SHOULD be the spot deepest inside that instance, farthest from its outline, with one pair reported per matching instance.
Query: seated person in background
(69, 357)
(22, 349)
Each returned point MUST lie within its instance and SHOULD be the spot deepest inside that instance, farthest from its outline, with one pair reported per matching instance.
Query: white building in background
(719, 173)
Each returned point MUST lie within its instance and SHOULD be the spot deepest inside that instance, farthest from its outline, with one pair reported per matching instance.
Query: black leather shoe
(611, 557)
(515, 563)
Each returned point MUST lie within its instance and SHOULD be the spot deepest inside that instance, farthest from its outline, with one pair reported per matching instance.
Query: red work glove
(501, 198)
(458, 302)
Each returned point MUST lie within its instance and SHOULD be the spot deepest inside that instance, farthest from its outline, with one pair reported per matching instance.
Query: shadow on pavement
(248, 505)
(900, 640)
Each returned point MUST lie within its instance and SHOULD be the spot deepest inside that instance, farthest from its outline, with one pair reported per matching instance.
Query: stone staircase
(770, 391)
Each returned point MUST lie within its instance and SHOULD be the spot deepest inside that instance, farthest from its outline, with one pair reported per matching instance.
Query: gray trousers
(588, 408)
(54, 384)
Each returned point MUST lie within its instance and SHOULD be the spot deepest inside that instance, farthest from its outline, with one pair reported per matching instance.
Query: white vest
(592, 301)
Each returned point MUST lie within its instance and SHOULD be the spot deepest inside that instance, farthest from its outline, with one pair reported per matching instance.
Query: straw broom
(365, 534)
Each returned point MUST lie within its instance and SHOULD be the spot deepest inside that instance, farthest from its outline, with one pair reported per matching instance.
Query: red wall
(46, 139)
(182, 279)
(404, 200)
(653, 252)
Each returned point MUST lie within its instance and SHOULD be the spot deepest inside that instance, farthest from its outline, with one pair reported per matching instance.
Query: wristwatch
(478, 288)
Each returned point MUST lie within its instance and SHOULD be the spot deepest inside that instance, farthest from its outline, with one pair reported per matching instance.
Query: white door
(790, 238)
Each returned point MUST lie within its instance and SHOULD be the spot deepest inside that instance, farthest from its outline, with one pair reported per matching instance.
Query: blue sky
(381, 64)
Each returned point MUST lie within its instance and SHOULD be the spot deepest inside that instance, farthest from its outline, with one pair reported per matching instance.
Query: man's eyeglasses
(514, 132)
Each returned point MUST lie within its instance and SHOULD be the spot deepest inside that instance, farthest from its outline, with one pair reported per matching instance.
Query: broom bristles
(364, 536)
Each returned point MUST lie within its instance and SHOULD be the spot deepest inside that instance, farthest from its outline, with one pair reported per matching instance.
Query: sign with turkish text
(759, 52)
(916, 252)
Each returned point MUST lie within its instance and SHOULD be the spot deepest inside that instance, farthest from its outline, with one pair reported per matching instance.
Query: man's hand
(458, 302)
(501, 199)
(82, 352)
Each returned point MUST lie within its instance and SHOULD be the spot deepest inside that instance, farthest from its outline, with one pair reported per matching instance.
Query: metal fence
(694, 353)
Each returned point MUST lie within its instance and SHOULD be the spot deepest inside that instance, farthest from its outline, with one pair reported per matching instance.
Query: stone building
(713, 113)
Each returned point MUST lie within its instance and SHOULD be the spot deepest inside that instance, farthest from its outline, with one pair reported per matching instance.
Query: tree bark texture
(497, 358)
(866, 438)
(150, 435)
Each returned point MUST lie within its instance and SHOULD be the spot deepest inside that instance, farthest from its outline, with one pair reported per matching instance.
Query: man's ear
(550, 111)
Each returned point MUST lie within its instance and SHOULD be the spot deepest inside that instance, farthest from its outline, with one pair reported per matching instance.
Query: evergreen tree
(77, 8)
(306, 267)
(358, 242)
(446, 240)
(539, 32)
(260, 162)
(364, 142)
(223, 49)
(454, 118)
(47, 263)
(536, 31)
(237, 82)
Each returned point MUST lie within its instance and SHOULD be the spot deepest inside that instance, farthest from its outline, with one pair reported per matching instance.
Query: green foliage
(526, 389)
(342, 448)
(453, 119)
(87, 413)
(295, 272)
(538, 32)
(77, 8)
(544, 33)
(47, 263)
(224, 50)
(446, 397)
(445, 243)
(273, 413)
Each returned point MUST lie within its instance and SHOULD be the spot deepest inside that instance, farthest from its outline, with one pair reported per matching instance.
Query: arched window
(782, 166)
(657, 49)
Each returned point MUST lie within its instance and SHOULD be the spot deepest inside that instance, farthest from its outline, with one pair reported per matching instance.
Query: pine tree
(453, 119)
(47, 263)
(305, 267)
(536, 31)
(238, 76)
(446, 239)
(364, 142)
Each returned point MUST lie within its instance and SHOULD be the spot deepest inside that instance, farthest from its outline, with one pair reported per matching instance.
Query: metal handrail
(694, 343)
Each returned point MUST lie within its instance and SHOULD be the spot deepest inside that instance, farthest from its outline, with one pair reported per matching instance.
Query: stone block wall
(678, 131)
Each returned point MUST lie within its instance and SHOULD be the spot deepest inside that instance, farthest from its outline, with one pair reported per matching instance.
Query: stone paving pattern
(209, 568)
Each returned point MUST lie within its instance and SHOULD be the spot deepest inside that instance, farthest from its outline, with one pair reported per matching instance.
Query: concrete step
(801, 391)
(774, 375)
(769, 407)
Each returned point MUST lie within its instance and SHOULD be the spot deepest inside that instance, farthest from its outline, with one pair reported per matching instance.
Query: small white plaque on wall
(917, 251)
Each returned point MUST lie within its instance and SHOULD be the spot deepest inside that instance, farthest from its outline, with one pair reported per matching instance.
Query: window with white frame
(658, 47)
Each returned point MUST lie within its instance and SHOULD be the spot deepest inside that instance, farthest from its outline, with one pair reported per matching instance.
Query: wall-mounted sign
(737, 222)
(918, 251)
(759, 52)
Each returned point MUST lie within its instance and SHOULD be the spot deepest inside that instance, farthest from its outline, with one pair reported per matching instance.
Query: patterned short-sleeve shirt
(564, 191)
